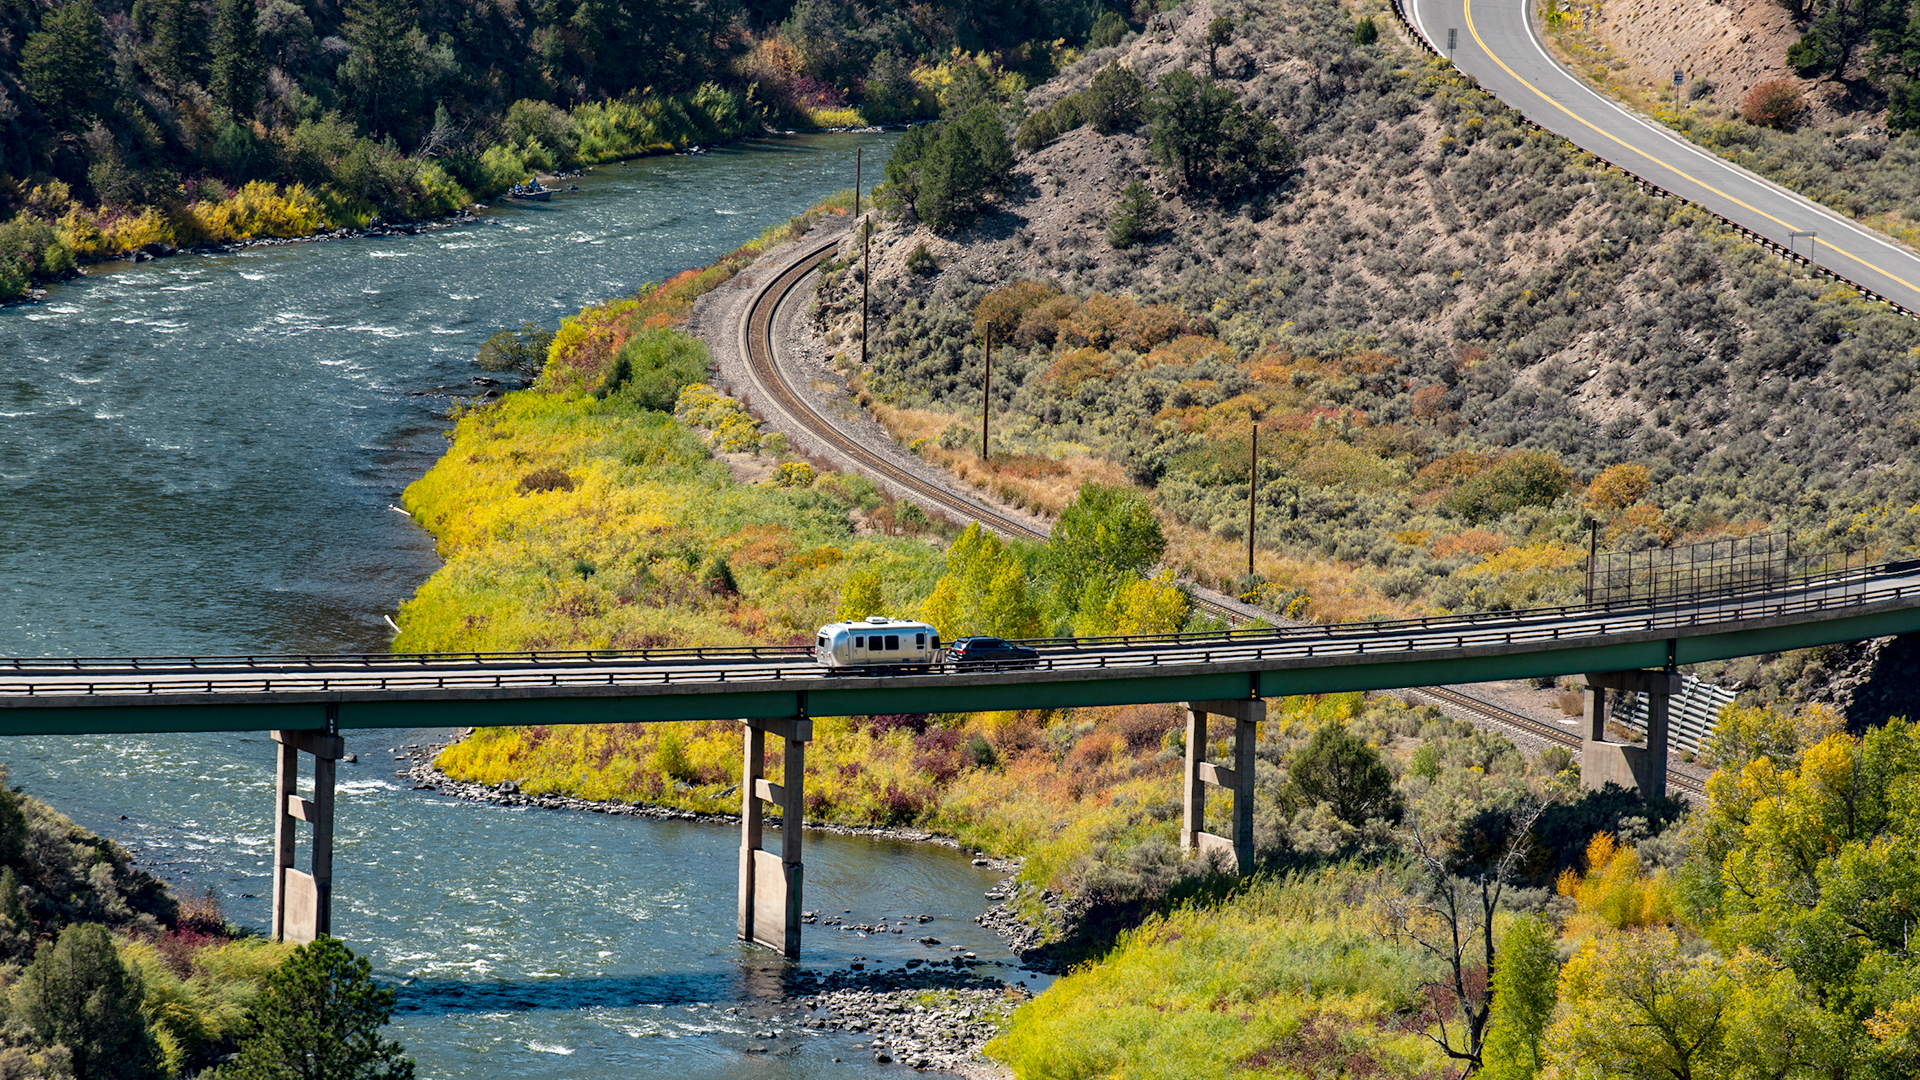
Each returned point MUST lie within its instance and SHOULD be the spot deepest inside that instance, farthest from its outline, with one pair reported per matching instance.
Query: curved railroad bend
(757, 346)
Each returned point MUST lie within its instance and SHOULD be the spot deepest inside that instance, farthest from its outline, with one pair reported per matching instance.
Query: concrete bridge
(307, 700)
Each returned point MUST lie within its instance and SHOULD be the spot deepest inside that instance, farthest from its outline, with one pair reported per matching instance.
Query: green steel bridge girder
(951, 693)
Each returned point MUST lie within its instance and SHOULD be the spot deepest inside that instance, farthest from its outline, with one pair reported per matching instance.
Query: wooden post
(856, 180)
(303, 902)
(866, 275)
(1237, 779)
(1253, 485)
(986, 399)
(771, 885)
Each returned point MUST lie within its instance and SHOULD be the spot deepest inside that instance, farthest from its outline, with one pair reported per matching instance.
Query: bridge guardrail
(1719, 607)
(1151, 655)
(1785, 255)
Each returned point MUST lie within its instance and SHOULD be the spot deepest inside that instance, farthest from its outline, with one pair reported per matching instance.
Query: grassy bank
(1289, 977)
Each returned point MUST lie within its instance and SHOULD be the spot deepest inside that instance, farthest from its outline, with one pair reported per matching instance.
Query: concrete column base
(1642, 768)
(303, 901)
(770, 884)
(1238, 779)
(1625, 764)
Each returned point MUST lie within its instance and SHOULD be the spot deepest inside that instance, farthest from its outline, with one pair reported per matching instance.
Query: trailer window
(823, 643)
(858, 642)
(893, 642)
(919, 641)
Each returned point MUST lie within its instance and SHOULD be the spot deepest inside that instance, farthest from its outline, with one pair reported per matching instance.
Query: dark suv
(990, 650)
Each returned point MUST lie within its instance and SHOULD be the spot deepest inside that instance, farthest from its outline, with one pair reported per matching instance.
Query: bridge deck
(49, 695)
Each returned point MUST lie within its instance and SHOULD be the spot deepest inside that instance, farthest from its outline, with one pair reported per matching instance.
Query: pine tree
(237, 66)
(320, 1019)
(62, 64)
(383, 71)
(174, 39)
(78, 993)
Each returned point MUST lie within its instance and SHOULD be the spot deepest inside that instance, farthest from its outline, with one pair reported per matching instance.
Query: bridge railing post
(1201, 774)
(771, 885)
(303, 901)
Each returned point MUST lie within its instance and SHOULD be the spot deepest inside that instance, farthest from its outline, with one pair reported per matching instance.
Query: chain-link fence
(1727, 567)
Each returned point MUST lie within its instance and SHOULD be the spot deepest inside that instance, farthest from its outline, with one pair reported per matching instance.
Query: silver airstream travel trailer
(877, 644)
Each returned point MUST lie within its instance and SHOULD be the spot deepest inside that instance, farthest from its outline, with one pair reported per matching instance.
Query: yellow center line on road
(1471, 29)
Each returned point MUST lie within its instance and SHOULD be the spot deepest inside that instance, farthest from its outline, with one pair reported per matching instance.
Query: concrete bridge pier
(303, 902)
(1630, 766)
(1237, 778)
(769, 883)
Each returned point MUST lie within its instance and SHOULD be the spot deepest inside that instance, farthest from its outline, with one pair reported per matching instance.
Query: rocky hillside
(1434, 287)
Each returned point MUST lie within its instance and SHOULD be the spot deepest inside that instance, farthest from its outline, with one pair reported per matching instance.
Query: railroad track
(773, 382)
(1539, 729)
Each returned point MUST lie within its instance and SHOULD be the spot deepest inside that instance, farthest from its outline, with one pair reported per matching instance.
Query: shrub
(717, 577)
(1774, 103)
(522, 350)
(1203, 136)
(1108, 30)
(1136, 216)
(1365, 32)
(920, 261)
(1618, 487)
(1340, 769)
(652, 368)
(550, 478)
(1114, 101)
(1521, 478)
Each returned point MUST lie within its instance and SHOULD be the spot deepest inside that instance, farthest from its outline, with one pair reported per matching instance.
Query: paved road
(52, 683)
(1497, 44)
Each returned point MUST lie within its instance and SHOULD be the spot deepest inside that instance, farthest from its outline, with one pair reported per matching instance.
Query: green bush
(77, 993)
(1108, 30)
(1209, 141)
(1135, 217)
(1365, 32)
(1520, 479)
(1114, 102)
(523, 350)
(654, 367)
(1344, 772)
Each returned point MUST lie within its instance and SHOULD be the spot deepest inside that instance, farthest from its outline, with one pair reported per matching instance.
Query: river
(199, 457)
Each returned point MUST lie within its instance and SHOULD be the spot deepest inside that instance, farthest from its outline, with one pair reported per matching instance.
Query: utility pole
(1253, 486)
(986, 398)
(1593, 554)
(856, 180)
(866, 273)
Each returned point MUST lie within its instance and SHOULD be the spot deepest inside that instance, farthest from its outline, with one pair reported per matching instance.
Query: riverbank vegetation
(173, 123)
